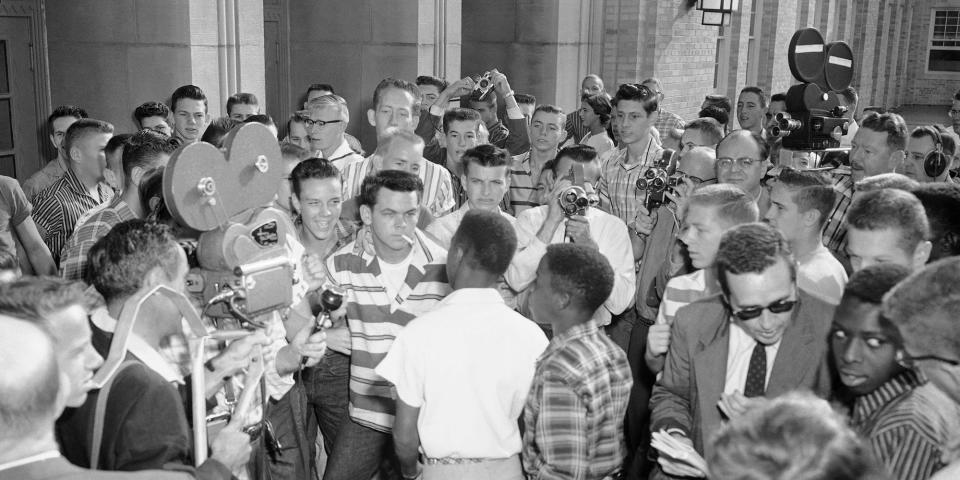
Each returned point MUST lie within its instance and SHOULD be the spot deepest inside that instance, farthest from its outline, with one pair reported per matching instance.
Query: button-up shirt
(73, 264)
(48, 175)
(618, 180)
(741, 347)
(58, 208)
(574, 414)
(835, 232)
(907, 422)
(666, 122)
(437, 196)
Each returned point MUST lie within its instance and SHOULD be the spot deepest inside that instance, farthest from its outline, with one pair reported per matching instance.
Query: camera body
(814, 110)
(483, 86)
(574, 200)
(659, 179)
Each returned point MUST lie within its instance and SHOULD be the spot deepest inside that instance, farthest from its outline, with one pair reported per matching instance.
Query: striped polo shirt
(438, 196)
(683, 290)
(375, 319)
(523, 193)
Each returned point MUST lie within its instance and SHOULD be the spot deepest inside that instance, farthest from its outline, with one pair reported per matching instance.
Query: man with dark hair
(751, 105)
(113, 174)
(702, 132)
(573, 420)
(637, 110)
(778, 104)
(907, 421)
(291, 155)
(449, 413)
(190, 113)
(31, 397)
(527, 104)
(57, 124)
(242, 105)
(850, 99)
(743, 160)
(549, 224)
(715, 112)
(592, 84)
(666, 121)
(430, 87)
(887, 226)
(217, 130)
(799, 204)
(924, 309)
(145, 153)
(461, 132)
(153, 116)
(395, 112)
(761, 337)
(923, 141)
(265, 120)
(403, 277)
(941, 201)
(60, 206)
(879, 145)
(545, 132)
(792, 436)
(297, 131)
(318, 90)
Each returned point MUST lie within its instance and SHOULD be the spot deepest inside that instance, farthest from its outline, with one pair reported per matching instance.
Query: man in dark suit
(32, 394)
(761, 337)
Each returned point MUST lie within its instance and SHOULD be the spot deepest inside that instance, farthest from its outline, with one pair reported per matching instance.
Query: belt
(459, 460)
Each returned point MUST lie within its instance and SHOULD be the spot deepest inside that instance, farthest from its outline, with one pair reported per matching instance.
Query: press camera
(659, 179)
(575, 199)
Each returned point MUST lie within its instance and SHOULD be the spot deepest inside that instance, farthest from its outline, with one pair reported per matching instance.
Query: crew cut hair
(81, 129)
(751, 248)
(891, 209)
(810, 191)
(732, 205)
(400, 84)
(485, 155)
(460, 115)
(487, 240)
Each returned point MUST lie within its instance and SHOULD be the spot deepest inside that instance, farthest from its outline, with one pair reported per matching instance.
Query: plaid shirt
(908, 423)
(58, 208)
(574, 414)
(73, 264)
(666, 122)
(835, 232)
(618, 181)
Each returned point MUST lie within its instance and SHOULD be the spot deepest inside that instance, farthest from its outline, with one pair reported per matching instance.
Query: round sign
(838, 68)
(806, 55)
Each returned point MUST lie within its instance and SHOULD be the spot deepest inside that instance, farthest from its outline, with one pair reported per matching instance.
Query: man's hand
(735, 404)
(314, 271)
(500, 83)
(460, 88)
(338, 339)
(644, 222)
(678, 467)
(658, 340)
(231, 446)
(679, 194)
(237, 355)
(578, 229)
(309, 344)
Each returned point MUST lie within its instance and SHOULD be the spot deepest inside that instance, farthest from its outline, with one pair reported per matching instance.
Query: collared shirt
(467, 365)
(14, 209)
(498, 134)
(741, 346)
(574, 414)
(60, 206)
(613, 241)
(821, 275)
(908, 423)
(618, 180)
(342, 157)
(600, 142)
(575, 128)
(153, 359)
(666, 122)
(437, 187)
(442, 230)
(523, 192)
(375, 318)
(48, 175)
(73, 264)
(683, 290)
(835, 232)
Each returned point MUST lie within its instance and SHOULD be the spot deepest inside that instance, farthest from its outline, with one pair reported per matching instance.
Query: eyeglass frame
(953, 112)
(310, 123)
(793, 304)
(738, 161)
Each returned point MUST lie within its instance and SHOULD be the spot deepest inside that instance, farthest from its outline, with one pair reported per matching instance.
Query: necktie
(756, 372)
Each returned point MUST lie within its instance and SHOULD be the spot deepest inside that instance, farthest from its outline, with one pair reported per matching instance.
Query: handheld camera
(574, 199)
(483, 86)
(813, 110)
(658, 179)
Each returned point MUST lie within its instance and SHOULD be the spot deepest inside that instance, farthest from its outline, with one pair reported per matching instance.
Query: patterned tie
(756, 372)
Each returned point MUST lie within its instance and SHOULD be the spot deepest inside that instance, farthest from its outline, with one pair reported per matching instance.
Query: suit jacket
(60, 469)
(694, 374)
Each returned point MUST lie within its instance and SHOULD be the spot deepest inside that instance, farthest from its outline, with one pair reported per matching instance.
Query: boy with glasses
(760, 337)
(906, 420)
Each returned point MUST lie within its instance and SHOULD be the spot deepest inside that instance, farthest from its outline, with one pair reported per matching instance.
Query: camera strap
(100, 412)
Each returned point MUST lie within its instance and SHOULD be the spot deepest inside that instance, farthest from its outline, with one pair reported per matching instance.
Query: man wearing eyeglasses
(325, 120)
(743, 160)
(905, 419)
(924, 309)
(954, 113)
(760, 337)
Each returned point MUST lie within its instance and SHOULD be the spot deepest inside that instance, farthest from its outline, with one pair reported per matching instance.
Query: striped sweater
(375, 319)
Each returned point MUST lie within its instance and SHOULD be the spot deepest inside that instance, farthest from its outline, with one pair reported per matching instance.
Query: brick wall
(920, 87)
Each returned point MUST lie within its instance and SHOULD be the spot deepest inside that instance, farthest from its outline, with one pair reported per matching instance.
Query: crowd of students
(517, 304)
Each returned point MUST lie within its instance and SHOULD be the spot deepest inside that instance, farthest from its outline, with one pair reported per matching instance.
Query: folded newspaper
(677, 450)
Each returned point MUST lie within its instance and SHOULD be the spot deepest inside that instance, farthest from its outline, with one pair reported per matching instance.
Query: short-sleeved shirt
(822, 275)
(523, 193)
(666, 122)
(468, 366)
(73, 263)
(59, 207)
(618, 180)
(438, 196)
(14, 209)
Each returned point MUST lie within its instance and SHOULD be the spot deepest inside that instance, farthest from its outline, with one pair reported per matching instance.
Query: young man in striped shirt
(546, 131)
(905, 419)
(708, 213)
(404, 278)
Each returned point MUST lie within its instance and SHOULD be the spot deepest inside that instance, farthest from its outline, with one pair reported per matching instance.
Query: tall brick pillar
(778, 25)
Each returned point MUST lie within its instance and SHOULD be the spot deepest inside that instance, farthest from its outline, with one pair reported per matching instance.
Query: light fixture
(720, 6)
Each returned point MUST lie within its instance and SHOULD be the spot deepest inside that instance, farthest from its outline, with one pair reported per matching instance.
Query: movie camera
(659, 179)
(575, 199)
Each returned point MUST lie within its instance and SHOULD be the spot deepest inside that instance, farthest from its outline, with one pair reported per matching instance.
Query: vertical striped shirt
(683, 290)
(574, 415)
(908, 423)
(374, 319)
(58, 208)
(438, 195)
(618, 181)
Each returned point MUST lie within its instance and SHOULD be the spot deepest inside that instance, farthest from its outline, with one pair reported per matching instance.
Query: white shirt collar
(342, 151)
(47, 455)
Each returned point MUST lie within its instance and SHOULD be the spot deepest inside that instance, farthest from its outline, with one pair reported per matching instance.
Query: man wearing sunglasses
(924, 309)
(760, 337)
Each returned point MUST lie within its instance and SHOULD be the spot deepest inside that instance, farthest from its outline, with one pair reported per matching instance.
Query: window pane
(716, 64)
(4, 80)
(6, 125)
(944, 60)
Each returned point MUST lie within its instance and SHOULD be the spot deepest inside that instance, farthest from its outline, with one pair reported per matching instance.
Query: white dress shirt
(738, 359)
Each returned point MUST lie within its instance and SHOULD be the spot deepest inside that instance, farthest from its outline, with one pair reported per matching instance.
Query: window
(752, 54)
(721, 61)
(944, 51)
